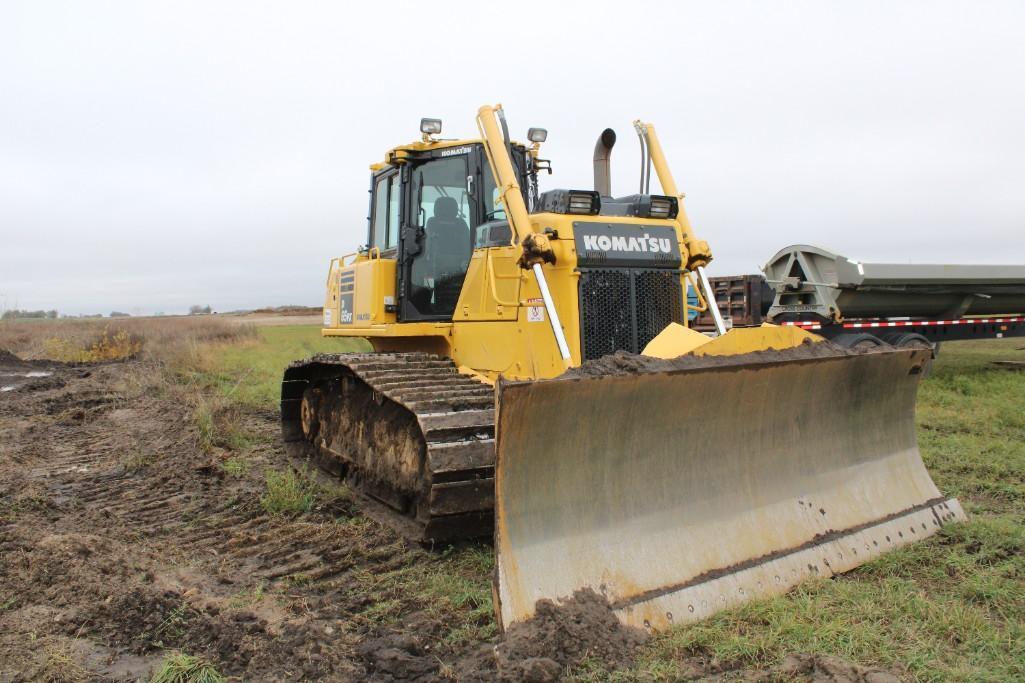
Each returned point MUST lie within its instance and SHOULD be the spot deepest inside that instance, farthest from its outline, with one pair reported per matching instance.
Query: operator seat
(448, 247)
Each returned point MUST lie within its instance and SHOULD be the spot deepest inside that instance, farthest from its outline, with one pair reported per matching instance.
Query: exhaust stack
(602, 168)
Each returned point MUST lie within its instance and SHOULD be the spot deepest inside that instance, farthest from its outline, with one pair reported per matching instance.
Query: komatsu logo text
(643, 243)
(626, 245)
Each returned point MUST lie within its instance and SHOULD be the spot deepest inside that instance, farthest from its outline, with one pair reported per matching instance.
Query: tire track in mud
(118, 532)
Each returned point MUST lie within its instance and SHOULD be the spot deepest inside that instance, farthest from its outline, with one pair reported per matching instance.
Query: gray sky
(155, 155)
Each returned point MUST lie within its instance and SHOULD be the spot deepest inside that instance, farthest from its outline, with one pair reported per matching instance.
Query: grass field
(949, 609)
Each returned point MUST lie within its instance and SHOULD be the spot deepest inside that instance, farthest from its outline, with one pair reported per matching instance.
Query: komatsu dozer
(532, 375)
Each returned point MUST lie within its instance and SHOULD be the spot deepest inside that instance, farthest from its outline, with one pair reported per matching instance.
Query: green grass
(138, 460)
(221, 380)
(182, 668)
(247, 599)
(237, 466)
(971, 417)
(249, 374)
(172, 628)
(453, 586)
(289, 492)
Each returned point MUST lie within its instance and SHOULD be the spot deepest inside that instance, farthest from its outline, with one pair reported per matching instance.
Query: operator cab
(432, 203)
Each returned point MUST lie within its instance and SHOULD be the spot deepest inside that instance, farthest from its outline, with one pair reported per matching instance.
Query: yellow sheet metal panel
(375, 288)
(491, 290)
(428, 329)
(331, 295)
(522, 346)
(519, 349)
(676, 494)
(359, 290)
(766, 336)
(675, 340)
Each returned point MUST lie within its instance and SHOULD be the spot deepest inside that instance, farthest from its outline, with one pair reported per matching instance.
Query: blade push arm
(698, 253)
(536, 248)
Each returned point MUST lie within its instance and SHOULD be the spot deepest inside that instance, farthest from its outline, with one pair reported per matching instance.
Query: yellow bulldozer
(533, 376)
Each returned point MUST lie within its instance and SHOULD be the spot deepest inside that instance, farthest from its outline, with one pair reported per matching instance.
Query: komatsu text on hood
(623, 244)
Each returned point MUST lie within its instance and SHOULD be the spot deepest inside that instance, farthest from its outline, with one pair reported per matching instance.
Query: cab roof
(398, 155)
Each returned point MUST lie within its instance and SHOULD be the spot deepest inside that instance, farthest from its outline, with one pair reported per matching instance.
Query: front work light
(537, 134)
(663, 207)
(580, 202)
(430, 126)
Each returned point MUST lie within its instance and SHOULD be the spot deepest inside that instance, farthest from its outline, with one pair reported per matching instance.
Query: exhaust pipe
(602, 169)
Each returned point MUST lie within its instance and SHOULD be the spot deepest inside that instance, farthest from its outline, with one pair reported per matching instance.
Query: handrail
(378, 284)
(372, 254)
(331, 269)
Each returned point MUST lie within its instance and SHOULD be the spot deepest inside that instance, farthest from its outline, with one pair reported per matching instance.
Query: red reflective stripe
(911, 323)
(920, 323)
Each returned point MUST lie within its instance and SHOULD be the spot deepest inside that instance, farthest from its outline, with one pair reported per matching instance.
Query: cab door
(436, 240)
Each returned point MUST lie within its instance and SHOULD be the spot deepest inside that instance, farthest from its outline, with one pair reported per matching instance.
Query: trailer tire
(906, 340)
(913, 340)
(858, 340)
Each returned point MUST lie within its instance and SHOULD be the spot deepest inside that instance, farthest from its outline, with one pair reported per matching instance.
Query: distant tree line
(18, 314)
(15, 314)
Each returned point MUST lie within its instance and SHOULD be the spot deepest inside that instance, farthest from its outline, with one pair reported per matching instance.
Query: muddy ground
(122, 539)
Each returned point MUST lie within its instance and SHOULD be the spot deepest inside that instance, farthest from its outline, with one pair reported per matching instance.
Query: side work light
(430, 126)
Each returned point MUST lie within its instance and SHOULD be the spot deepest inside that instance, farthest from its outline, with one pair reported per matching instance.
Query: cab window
(394, 201)
(387, 199)
(493, 209)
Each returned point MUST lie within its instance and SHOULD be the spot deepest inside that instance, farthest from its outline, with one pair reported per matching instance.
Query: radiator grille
(623, 309)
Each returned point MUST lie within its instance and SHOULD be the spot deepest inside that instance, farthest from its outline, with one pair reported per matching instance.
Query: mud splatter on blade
(678, 493)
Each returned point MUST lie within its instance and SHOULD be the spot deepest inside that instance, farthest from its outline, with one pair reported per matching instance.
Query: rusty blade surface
(676, 494)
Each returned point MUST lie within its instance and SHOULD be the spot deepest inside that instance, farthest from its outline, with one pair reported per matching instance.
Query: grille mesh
(623, 309)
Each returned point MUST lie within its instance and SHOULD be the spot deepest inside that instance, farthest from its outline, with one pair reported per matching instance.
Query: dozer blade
(681, 490)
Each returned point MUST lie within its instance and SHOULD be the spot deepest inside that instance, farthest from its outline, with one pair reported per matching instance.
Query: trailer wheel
(906, 340)
(857, 340)
(913, 340)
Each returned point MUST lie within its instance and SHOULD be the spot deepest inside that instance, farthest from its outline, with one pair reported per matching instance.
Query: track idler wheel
(308, 413)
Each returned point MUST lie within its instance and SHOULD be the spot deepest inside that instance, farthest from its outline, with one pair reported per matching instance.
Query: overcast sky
(155, 155)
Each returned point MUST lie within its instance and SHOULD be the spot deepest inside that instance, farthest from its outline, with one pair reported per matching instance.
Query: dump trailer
(533, 375)
(856, 303)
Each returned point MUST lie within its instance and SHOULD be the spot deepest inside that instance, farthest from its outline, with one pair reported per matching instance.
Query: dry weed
(96, 340)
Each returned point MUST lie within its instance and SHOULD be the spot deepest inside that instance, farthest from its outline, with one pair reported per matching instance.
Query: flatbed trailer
(935, 331)
(855, 303)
